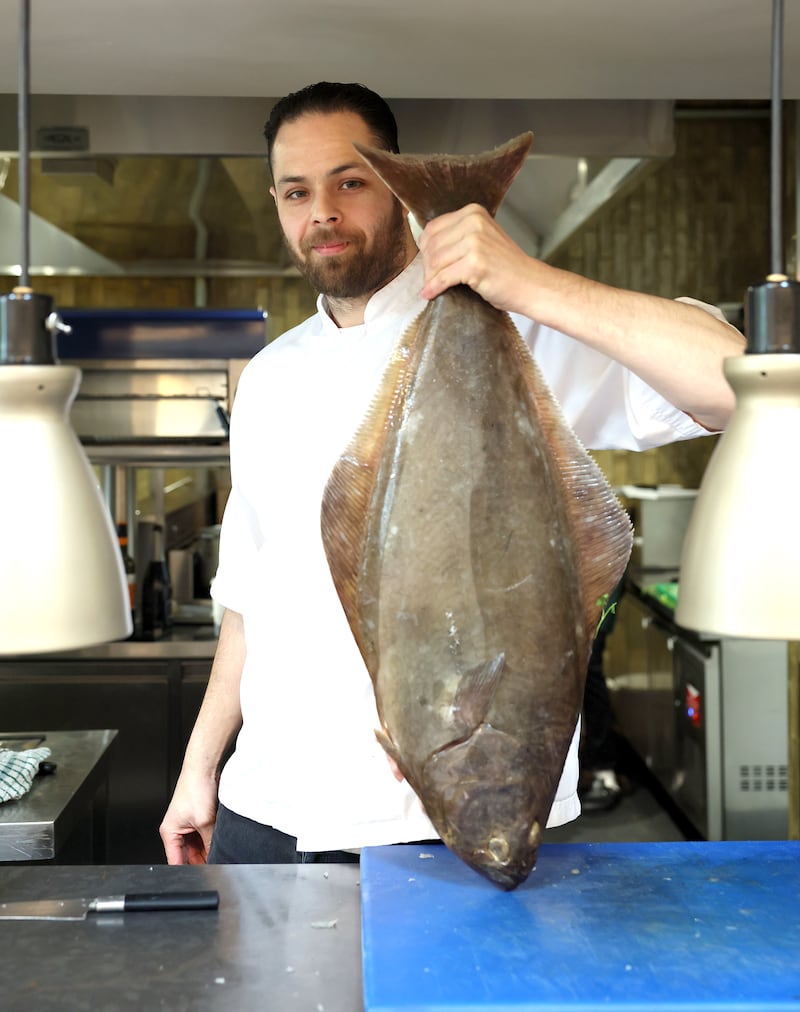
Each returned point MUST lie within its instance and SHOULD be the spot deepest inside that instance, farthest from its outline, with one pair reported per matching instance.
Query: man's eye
(352, 184)
(294, 194)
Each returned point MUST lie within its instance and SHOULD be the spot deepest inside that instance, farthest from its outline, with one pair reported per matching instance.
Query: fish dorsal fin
(601, 527)
(475, 693)
(346, 503)
(430, 185)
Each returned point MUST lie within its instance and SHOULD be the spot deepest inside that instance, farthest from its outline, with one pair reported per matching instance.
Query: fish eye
(499, 849)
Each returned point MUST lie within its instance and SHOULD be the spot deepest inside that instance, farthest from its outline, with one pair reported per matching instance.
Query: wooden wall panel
(696, 226)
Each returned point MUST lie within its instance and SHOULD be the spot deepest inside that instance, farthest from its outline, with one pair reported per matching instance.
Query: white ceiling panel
(672, 49)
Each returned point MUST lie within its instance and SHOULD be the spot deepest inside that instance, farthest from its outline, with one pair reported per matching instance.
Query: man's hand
(468, 247)
(189, 822)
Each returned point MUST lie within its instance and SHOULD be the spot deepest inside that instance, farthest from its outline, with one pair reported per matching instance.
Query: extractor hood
(53, 251)
(585, 152)
(111, 125)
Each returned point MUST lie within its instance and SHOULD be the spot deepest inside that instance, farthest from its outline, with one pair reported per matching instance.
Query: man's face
(345, 231)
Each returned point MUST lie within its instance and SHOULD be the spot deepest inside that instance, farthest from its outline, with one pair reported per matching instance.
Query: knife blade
(78, 909)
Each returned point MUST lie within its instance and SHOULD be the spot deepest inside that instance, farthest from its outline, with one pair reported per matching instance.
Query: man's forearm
(675, 347)
(189, 820)
(220, 715)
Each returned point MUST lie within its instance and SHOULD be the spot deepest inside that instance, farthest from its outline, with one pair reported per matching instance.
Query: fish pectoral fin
(388, 745)
(476, 691)
(392, 752)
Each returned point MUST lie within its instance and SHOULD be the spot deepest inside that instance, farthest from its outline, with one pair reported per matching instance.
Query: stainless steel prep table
(149, 691)
(36, 827)
(285, 937)
(184, 642)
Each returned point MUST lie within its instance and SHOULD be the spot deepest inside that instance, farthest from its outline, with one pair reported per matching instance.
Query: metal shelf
(161, 454)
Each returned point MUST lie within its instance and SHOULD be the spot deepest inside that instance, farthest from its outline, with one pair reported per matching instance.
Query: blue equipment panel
(666, 926)
(162, 333)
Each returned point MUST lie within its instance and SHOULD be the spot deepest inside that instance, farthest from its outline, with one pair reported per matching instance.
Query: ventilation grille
(765, 777)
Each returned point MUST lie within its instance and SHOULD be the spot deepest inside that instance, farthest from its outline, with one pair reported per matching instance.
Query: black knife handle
(197, 900)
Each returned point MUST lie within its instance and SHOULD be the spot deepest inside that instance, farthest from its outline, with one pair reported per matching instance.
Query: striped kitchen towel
(17, 770)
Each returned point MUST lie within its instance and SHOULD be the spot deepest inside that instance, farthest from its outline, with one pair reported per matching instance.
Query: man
(288, 683)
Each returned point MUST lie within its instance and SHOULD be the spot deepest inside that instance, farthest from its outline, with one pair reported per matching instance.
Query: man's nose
(324, 210)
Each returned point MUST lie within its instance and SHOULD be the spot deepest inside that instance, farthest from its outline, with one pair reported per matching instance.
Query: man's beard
(364, 268)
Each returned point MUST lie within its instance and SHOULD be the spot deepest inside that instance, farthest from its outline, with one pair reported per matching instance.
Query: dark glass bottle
(127, 562)
(156, 592)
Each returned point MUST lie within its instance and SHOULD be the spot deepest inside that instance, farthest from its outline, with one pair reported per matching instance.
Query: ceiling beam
(616, 179)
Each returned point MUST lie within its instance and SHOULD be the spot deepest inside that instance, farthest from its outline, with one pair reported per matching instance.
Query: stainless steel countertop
(185, 642)
(285, 937)
(36, 826)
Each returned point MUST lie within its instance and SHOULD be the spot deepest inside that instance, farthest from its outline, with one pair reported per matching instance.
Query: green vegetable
(606, 609)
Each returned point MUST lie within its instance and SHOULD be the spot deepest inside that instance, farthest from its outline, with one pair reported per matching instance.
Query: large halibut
(472, 541)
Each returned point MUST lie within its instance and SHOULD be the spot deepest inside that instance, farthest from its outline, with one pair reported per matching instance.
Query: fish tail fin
(430, 185)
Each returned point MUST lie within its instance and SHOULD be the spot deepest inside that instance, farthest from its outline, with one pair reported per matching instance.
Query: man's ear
(274, 194)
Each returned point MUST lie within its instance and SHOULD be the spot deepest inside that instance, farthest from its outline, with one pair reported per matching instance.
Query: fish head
(486, 800)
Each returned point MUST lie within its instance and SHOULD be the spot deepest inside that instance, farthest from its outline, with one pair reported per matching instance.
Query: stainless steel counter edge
(165, 649)
(285, 937)
(34, 827)
(638, 579)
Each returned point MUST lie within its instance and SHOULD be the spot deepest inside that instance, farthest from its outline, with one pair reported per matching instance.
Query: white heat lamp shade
(62, 583)
(740, 569)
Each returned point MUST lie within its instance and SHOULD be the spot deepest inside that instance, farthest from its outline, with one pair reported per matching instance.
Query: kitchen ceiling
(595, 81)
(712, 49)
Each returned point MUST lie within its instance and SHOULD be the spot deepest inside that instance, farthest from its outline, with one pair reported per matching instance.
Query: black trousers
(598, 741)
(238, 840)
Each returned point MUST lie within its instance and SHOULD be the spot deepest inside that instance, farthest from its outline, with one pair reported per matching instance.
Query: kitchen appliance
(156, 376)
(146, 400)
(660, 517)
(731, 737)
(153, 415)
(709, 717)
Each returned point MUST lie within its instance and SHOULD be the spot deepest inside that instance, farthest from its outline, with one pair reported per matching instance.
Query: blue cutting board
(667, 926)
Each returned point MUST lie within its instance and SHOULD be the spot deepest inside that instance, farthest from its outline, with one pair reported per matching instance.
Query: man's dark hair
(327, 97)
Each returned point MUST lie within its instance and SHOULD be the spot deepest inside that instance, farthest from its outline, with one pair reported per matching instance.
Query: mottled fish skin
(471, 539)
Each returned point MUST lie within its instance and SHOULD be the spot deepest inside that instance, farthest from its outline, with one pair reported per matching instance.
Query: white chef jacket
(306, 759)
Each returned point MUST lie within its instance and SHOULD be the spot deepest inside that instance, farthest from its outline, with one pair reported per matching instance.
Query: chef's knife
(77, 909)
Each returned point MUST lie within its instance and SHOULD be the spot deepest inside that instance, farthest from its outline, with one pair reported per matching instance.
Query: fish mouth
(487, 809)
(497, 831)
(502, 877)
(497, 863)
(505, 858)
